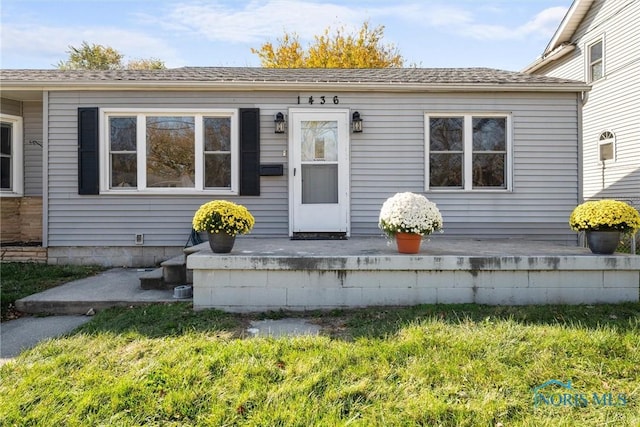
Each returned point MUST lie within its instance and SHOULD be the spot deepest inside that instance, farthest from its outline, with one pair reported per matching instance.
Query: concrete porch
(278, 273)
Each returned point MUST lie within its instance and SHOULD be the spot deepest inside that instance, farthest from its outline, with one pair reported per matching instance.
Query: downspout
(580, 97)
(45, 169)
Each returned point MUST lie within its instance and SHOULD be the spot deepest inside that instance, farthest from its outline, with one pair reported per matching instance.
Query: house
(120, 160)
(598, 42)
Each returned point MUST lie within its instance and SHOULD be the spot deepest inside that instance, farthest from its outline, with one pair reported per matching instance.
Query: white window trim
(611, 140)
(17, 156)
(587, 59)
(468, 152)
(141, 113)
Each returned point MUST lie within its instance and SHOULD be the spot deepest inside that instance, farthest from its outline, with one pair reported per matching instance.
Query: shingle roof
(248, 76)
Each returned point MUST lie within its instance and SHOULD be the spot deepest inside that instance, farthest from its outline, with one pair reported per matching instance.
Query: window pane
(319, 139)
(446, 134)
(122, 133)
(5, 144)
(445, 170)
(5, 173)
(489, 134)
(319, 183)
(488, 170)
(170, 152)
(217, 170)
(217, 134)
(595, 52)
(606, 151)
(596, 71)
(124, 170)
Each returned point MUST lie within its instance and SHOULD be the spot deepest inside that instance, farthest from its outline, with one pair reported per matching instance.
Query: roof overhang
(560, 43)
(569, 25)
(393, 87)
(555, 54)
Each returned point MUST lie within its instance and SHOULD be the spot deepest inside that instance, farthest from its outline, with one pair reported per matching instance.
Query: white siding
(614, 101)
(386, 158)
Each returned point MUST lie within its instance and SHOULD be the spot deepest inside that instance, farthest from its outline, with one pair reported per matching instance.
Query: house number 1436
(320, 100)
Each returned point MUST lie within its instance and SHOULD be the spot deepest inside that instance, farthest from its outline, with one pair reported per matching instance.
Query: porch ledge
(272, 274)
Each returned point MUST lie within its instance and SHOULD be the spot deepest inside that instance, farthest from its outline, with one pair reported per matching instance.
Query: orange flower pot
(408, 243)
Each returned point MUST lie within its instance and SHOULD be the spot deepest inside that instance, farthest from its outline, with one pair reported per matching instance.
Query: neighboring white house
(598, 42)
(122, 159)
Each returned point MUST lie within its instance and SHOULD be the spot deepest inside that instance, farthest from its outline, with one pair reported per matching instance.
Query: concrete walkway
(70, 302)
(118, 287)
(115, 287)
(282, 327)
(23, 333)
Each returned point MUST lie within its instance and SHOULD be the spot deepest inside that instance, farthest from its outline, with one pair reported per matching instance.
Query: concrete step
(113, 288)
(154, 280)
(174, 270)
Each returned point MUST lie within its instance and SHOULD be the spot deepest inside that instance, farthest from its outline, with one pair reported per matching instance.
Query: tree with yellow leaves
(340, 50)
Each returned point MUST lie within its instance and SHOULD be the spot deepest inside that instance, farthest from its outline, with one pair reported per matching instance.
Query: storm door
(319, 171)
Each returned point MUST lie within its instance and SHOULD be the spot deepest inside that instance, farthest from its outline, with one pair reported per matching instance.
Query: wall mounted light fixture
(279, 123)
(356, 122)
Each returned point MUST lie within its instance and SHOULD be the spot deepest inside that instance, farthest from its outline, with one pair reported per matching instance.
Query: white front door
(318, 171)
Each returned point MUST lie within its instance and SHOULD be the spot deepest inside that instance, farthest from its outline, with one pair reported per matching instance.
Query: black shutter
(249, 151)
(88, 153)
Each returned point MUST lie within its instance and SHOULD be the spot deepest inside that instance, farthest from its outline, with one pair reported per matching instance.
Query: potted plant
(603, 221)
(222, 220)
(407, 217)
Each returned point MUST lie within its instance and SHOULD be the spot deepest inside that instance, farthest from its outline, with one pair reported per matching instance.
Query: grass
(432, 365)
(23, 279)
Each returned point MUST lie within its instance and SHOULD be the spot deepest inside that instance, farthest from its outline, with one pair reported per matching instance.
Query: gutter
(296, 86)
(555, 54)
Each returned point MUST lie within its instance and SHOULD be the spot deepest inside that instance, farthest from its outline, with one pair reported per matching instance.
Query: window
(160, 151)
(595, 61)
(11, 167)
(607, 146)
(467, 152)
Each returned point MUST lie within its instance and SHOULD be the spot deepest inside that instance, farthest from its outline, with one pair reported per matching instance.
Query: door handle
(294, 171)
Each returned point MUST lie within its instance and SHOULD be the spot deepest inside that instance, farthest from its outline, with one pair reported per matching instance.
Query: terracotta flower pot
(408, 243)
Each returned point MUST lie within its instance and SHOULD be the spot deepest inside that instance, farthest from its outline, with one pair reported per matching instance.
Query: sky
(504, 34)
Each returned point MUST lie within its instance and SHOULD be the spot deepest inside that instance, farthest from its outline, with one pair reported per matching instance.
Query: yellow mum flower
(222, 216)
(605, 215)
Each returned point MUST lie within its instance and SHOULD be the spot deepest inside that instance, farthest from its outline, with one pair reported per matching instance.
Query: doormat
(319, 236)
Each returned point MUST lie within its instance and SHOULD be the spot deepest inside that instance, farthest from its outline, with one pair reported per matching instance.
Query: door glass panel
(319, 141)
(319, 183)
(319, 155)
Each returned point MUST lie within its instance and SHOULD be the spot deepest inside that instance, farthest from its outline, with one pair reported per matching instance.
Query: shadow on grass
(381, 322)
(161, 320)
(374, 322)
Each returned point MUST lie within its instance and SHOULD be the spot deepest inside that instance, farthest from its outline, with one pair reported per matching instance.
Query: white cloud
(425, 14)
(52, 43)
(542, 25)
(258, 19)
(545, 22)
(261, 19)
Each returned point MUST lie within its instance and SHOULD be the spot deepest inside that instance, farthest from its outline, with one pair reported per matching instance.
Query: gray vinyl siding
(32, 152)
(386, 158)
(614, 101)
(9, 106)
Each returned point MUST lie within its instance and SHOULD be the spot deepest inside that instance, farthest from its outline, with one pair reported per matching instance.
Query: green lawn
(432, 365)
(23, 279)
